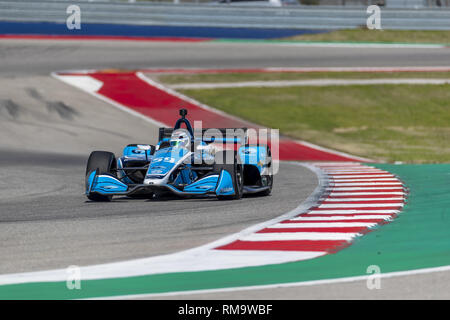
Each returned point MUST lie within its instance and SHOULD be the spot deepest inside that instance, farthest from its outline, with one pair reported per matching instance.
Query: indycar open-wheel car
(183, 164)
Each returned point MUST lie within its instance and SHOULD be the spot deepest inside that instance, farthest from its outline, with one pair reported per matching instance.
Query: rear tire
(104, 162)
(236, 170)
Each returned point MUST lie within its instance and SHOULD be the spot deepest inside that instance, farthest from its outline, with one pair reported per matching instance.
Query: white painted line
(363, 184)
(365, 189)
(185, 261)
(331, 219)
(339, 180)
(337, 174)
(351, 168)
(354, 168)
(364, 177)
(358, 205)
(322, 225)
(360, 69)
(289, 284)
(313, 83)
(331, 200)
(343, 165)
(85, 83)
(353, 172)
(368, 194)
(299, 236)
(337, 164)
(370, 176)
(307, 69)
(358, 168)
(351, 211)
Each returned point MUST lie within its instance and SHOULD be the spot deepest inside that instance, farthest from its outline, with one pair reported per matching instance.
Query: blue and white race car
(184, 164)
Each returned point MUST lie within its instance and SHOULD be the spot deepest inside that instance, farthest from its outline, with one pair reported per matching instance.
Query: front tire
(104, 162)
(236, 170)
(269, 184)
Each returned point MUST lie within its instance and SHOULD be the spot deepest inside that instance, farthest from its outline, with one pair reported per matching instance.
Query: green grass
(389, 36)
(407, 123)
(266, 76)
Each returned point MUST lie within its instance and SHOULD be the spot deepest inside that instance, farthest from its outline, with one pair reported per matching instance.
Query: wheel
(105, 162)
(265, 180)
(269, 177)
(236, 169)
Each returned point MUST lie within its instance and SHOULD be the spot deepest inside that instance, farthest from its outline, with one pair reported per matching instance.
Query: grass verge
(384, 36)
(272, 76)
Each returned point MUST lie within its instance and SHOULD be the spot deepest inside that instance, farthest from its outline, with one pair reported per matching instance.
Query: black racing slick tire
(104, 162)
(236, 169)
(269, 179)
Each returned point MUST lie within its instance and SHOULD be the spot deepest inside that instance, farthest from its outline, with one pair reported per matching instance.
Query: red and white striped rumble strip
(356, 198)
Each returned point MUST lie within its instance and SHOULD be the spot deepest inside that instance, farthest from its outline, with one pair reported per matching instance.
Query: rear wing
(209, 135)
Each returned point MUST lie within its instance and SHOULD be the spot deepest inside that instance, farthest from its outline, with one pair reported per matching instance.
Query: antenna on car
(183, 113)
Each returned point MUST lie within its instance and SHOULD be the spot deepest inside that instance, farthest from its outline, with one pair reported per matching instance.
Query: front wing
(109, 185)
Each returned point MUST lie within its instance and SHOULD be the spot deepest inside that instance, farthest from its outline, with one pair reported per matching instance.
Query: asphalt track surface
(21, 57)
(48, 129)
(55, 227)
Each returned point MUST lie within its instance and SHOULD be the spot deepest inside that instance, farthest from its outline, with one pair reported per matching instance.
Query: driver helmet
(180, 138)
